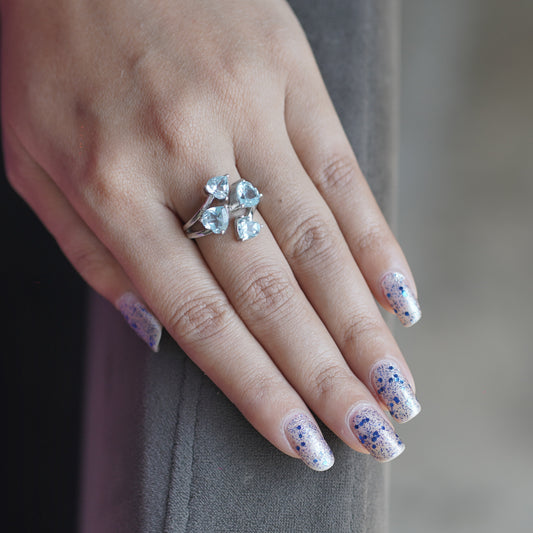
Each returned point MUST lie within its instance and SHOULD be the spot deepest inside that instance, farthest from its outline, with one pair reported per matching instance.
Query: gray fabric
(165, 450)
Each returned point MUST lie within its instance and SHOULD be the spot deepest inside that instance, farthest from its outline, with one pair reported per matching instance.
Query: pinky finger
(86, 253)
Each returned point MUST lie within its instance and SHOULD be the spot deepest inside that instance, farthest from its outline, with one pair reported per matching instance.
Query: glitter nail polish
(307, 440)
(375, 433)
(144, 323)
(401, 298)
(395, 391)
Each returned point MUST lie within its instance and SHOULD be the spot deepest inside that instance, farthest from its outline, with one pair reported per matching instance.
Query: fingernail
(307, 440)
(395, 391)
(144, 323)
(375, 433)
(401, 298)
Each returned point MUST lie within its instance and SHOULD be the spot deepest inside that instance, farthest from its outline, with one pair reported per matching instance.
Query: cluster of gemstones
(242, 198)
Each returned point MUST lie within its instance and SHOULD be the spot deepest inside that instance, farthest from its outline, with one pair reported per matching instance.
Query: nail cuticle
(387, 359)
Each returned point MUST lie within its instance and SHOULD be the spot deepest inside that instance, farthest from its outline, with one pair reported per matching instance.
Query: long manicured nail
(307, 440)
(401, 298)
(144, 323)
(395, 391)
(375, 433)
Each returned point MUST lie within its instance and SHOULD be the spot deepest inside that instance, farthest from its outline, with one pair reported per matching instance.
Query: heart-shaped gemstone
(216, 219)
(247, 195)
(218, 187)
(247, 228)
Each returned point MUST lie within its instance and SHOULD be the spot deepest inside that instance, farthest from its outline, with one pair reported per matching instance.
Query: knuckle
(265, 294)
(328, 380)
(287, 47)
(372, 239)
(99, 188)
(88, 261)
(339, 173)
(106, 183)
(361, 329)
(257, 389)
(311, 241)
(199, 318)
(179, 129)
(105, 190)
(97, 268)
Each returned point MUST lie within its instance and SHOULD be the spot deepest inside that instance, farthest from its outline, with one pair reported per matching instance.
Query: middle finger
(318, 255)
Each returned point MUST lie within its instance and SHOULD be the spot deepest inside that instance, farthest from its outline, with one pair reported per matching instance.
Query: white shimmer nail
(375, 433)
(140, 320)
(306, 439)
(401, 298)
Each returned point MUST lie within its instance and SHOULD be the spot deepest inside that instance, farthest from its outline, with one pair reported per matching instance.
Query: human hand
(114, 118)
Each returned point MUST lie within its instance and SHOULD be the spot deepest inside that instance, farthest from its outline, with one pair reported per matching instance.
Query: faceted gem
(247, 228)
(218, 187)
(247, 194)
(216, 219)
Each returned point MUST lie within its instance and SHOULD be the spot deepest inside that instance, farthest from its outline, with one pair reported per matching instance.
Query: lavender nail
(375, 433)
(144, 323)
(307, 440)
(395, 391)
(401, 298)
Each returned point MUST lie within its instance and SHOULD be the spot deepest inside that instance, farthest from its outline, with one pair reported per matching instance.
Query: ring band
(238, 201)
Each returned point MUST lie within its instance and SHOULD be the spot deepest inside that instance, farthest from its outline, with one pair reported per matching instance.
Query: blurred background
(466, 224)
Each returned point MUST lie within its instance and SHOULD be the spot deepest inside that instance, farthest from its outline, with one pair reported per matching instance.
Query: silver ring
(238, 202)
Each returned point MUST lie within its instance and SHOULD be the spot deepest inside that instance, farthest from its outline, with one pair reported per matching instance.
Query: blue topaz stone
(238, 202)
(216, 219)
(218, 187)
(247, 195)
(247, 228)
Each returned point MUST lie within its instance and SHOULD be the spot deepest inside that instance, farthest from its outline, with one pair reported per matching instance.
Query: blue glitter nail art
(401, 298)
(375, 433)
(395, 391)
(306, 438)
(144, 323)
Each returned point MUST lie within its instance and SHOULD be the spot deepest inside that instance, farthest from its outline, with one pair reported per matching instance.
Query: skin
(116, 113)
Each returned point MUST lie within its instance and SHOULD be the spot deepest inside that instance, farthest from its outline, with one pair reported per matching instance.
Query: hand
(116, 114)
